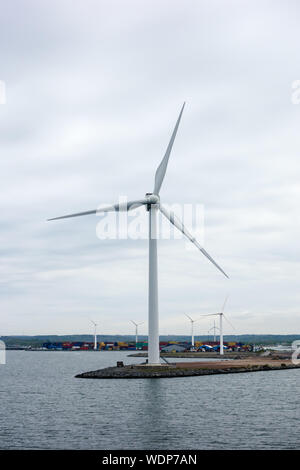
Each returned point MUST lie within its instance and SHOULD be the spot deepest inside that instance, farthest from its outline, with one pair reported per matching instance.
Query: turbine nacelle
(152, 198)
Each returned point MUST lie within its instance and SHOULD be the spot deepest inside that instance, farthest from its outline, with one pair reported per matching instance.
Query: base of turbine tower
(153, 365)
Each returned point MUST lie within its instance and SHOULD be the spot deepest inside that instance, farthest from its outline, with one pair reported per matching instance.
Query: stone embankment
(188, 369)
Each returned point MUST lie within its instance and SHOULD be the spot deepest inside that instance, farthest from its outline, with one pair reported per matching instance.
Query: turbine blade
(228, 322)
(188, 317)
(209, 315)
(126, 206)
(73, 215)
(178, 224)
(225, 301)
(161, 170)
(134, 322)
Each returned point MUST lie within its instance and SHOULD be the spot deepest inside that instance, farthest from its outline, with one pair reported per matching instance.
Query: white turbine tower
(152, 203)
(221, 316)
(136, 330)
(192, 328)
(95, 335)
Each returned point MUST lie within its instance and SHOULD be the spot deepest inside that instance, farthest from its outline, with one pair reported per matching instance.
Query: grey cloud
(93, 90)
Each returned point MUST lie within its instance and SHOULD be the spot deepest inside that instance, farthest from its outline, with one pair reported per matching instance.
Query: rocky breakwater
(187, 369)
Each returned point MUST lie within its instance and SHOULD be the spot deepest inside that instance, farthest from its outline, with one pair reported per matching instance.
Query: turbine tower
(192, 328)
(95, 335)
(136, 330)
(221, 316)
(152, 203)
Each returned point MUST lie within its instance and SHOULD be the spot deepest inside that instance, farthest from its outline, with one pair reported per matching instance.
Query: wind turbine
(214, 328)
(136, 330)
(95, 335)
(221, 316)
(192, 327)
(152, 203)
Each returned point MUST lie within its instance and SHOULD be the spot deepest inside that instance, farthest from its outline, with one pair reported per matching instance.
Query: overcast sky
(93, 90)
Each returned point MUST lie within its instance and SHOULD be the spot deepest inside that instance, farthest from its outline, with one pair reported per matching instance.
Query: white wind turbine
(95, 335)
(214, 328)
(152, 203)
(192, 328)
(136, 330)
(221, 316)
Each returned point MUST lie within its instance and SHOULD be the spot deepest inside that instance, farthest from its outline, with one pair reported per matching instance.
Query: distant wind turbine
(221, 316)
(215, 328)
(95, 335)
(136, 330)
(152, 203)
(192, 327)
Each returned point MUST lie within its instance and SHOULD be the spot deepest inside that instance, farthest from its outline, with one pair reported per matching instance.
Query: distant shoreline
(17, 342)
